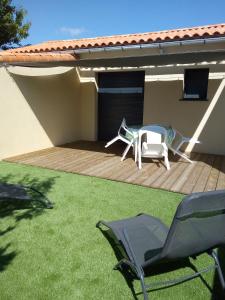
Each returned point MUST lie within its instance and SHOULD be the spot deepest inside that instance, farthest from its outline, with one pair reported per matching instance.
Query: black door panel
(114, 106)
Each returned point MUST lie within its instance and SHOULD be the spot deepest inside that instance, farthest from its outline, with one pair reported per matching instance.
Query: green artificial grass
(59, 253)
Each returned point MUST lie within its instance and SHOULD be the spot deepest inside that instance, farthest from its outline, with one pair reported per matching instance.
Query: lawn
(59, 254)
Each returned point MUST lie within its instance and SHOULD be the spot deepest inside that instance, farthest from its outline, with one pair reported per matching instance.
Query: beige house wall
(162, 104)
(89, 116)
(38, 112)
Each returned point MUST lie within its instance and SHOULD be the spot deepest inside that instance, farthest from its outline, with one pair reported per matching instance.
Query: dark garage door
(120, 94)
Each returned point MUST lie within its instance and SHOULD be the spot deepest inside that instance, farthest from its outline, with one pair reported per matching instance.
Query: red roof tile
(129, 39)
(8, 57)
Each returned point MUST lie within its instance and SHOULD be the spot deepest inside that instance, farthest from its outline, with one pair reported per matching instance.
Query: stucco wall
(162, 105)
(89, 119)
(38, 112)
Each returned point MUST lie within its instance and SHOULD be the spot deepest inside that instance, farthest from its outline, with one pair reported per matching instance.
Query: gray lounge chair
(198, 227)
(11, 192)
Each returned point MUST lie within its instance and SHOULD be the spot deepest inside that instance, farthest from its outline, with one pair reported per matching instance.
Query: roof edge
(6, 57)
(180, 34)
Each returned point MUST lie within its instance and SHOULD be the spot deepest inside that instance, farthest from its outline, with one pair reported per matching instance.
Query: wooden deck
(91, 158)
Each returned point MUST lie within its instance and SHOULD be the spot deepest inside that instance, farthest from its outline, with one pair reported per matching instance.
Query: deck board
(203, 178)
(214, 175)
(181, 180)
(206, 173)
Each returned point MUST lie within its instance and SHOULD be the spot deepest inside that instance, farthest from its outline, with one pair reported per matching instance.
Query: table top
(154, 127)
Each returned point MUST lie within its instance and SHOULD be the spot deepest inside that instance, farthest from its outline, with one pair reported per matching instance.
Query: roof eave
(37, 57)
(180, 34)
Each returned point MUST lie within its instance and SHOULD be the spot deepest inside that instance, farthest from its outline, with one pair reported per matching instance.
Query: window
(195, 84)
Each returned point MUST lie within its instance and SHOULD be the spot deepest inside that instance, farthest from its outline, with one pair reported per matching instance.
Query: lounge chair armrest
(101, 222)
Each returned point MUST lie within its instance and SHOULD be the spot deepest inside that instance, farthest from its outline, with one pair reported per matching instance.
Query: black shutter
(196, 84)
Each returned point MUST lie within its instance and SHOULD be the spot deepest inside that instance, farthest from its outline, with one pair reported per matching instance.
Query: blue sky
(73, 19)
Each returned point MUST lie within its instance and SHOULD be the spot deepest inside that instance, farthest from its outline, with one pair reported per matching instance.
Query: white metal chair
(175, 141)
(127, 136)
(154, 145)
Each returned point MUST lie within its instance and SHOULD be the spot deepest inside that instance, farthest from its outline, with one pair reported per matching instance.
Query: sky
(75, 19)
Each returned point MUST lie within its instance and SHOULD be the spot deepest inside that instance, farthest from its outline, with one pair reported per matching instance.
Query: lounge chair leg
(220, 273)
(138, 272)
(144, 290)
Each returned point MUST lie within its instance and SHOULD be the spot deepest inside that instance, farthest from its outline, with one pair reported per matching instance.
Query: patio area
(206, 173)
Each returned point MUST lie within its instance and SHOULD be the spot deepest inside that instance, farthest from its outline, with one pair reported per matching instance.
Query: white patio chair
(175, 141)
(125, 135)
(154, 145)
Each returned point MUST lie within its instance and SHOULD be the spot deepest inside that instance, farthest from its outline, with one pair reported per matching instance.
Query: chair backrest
(153, 137)
(122, 125)
(153, 134)
(124, 131)
(155, 128)
(152, 146)
(198, 225)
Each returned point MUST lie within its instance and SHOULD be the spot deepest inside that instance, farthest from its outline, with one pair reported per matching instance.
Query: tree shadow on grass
(20, 209)
(5, 257)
